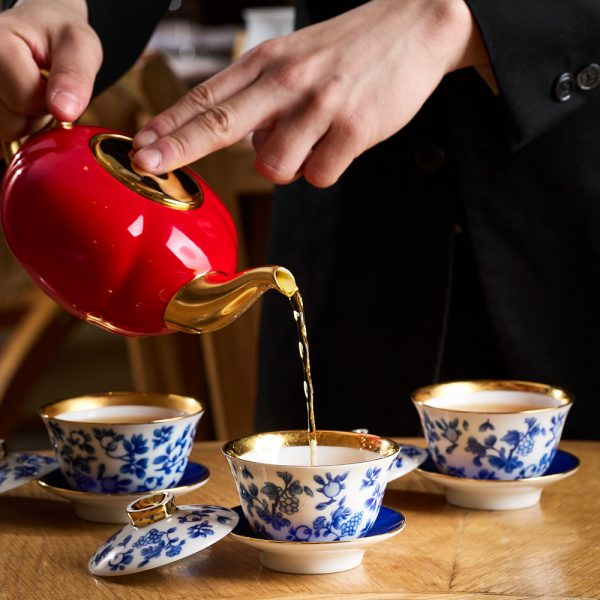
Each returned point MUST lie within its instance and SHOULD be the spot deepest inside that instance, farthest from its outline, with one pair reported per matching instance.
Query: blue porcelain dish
(112, 508)
(316, 558)
(498, 494)
(388, 520)
(563, 462)
(18, 468)
(194, 472)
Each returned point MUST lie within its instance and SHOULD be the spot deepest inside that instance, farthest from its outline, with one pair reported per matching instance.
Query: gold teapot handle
(9, 149)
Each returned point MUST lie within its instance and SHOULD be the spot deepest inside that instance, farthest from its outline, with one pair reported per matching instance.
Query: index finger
(199, 99)
(217, 127)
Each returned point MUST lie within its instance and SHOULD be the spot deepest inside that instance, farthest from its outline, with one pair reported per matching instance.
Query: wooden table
(551, 550)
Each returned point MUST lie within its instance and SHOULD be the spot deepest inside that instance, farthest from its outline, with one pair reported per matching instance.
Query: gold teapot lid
(175, 189)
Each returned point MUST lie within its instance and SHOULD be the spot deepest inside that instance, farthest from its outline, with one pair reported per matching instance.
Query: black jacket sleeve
(531, 44)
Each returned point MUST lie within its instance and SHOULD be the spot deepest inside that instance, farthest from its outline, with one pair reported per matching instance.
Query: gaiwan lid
(18, 468)
(161, 532)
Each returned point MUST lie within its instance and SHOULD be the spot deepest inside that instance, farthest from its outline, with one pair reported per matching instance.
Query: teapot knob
(175, 189)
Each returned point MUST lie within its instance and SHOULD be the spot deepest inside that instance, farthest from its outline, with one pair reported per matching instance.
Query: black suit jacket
(483, 213)
(465, 246)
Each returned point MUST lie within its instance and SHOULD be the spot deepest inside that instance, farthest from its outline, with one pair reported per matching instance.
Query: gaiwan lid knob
(161, 532)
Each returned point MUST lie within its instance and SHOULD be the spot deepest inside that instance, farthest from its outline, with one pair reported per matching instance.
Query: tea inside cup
(122, 442)
(284, 497)
(492, 429)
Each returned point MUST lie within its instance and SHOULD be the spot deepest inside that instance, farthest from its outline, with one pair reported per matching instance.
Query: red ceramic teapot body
(104, 251)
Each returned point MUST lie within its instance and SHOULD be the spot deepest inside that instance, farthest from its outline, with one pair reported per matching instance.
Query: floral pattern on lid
(171, 533)
(18, 468)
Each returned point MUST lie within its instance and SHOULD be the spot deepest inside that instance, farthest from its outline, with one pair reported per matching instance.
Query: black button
(589, 77)
(429, 157)
(563, 88)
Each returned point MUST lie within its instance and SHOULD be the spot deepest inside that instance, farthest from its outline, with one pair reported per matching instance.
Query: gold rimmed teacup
(120, 408)
(492, 429)
(122, 442)
(341, 447)
(285, 497)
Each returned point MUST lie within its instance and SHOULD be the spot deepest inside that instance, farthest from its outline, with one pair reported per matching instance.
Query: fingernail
(148, 158)
(67, 103)
(145, 138)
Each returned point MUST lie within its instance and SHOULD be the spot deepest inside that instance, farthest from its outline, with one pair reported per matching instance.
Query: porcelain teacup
(122, 442)
(284, 497)
(492, 429)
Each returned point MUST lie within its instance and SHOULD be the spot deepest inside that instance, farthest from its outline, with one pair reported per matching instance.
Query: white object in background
(265, 23)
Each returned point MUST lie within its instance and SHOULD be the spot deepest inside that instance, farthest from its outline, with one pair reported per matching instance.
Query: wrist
(465, 47)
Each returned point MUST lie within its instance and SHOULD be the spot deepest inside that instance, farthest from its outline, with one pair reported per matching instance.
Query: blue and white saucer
(312, 558)
(494, 494)
(160, 532)
(18, 468)
(112, 508)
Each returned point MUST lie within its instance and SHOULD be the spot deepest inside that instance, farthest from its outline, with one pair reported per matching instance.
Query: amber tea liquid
(299, 317)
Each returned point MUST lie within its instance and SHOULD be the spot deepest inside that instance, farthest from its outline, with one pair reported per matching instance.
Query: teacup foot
(485, 501)
(318, 563)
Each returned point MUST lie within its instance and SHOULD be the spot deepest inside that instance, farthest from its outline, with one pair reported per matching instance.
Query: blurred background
(46, 355)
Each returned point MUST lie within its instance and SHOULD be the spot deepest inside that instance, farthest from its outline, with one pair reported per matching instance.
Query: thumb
(76, 56)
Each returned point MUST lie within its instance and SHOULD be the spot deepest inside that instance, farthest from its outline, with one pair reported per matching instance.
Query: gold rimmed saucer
(314, 558)
(496, 494)
(112, 508)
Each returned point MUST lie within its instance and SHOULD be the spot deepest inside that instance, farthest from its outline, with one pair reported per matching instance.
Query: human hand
(319, 97)
(52, 35)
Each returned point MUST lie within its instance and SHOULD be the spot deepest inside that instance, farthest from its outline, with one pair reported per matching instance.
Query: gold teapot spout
(214, 300)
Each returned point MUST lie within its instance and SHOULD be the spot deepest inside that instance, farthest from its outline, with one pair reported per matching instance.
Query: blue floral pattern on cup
(490, 448)
(269, 505)
(316, 503)
(122, 459)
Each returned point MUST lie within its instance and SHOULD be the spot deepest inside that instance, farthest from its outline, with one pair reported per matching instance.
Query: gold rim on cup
(463, 388)
(383, 447)
(184, 404)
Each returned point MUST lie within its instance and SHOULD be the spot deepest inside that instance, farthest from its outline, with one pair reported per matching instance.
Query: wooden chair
(34, 327)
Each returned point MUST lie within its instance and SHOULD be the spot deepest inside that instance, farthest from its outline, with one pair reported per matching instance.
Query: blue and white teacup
(284, 497)
(492, 429)
(122, 442)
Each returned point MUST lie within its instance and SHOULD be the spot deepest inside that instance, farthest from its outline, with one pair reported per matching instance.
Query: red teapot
(133, 253)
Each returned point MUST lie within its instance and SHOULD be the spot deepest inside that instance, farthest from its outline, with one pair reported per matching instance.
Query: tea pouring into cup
(285, 497)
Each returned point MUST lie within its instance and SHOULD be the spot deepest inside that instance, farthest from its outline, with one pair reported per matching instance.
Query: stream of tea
(300, 318)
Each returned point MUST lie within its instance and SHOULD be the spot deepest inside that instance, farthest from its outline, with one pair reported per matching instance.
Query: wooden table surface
(551, 550)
